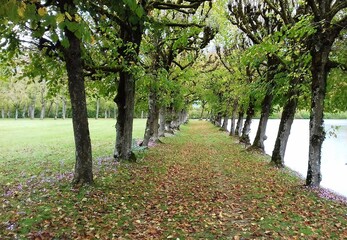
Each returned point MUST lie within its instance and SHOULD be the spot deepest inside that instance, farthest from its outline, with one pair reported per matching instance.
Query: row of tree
(271, 54)
(280, 56)
(33, 99)
(108, 46)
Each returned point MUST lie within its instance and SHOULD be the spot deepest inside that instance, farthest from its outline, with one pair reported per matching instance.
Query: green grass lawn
(30, 147)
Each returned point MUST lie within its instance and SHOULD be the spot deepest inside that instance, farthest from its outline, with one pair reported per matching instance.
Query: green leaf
(54, 37)
(65, 43)
(72, 26)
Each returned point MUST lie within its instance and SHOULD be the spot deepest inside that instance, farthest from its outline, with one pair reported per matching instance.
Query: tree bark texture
(174, 123)
(225, 123)
(260, 136)
(43, 111)
(125, 100)
(83, 167)
(317, 133)
(183, 117)
(152, 126)
(328, 28)
(169, 119)
(287, 119)
(247, 127)
(239, 125)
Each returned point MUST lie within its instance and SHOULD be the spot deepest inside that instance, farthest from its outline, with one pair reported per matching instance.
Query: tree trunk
(83, 167)
(24, 112)
(202, 109)
(247, 127)
(287, 119)
(64, 108)
(43, 110)
(266, 105)
(174, 123)
(32, 110)
(50, 108)
(97, 108)
(260, 136)
(43, 99)
(184, 117)
(2, 113)
(125, 100)
(233, 118)
(162, 122)
(130, 34)
(16, 114)
(218, 119)
(151, 132)
(239, 125)
(317, 134)
(225, 123)
(56, 110)
(168, 120)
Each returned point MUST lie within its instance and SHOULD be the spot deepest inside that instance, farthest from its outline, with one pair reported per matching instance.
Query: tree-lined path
(199, 184)
(210, 187)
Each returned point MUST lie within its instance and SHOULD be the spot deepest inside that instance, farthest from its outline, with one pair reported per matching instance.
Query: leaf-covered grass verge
(200, 184)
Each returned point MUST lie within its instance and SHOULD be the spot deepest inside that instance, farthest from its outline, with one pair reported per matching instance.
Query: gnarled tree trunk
(247, 127)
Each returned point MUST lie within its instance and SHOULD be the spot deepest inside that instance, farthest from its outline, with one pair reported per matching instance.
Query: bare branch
(222, 61)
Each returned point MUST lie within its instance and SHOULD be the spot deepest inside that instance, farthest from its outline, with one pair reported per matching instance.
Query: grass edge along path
(200, 184)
